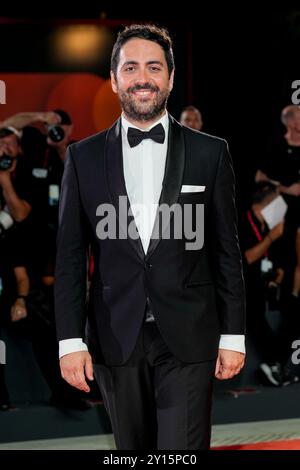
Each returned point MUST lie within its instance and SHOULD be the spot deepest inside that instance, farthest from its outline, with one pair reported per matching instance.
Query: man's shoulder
(200, 138)
(89, 150)
(89, 143)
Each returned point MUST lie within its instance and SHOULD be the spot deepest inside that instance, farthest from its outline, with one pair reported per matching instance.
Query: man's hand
(75, 367)
(50, 117)
(18, 310)
(5, 176)
(229, 364)
(292, 190)
(277, 231)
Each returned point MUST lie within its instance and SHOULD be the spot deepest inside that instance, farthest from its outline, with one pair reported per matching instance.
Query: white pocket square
(186, 188)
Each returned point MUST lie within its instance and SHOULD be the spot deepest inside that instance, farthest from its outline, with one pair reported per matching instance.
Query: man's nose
(142, 76)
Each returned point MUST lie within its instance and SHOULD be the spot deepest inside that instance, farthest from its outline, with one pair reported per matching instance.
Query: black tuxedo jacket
(195, 295)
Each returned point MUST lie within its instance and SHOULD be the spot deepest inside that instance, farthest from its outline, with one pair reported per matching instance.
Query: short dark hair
(263, 190)
(143, 31)
(190, 107)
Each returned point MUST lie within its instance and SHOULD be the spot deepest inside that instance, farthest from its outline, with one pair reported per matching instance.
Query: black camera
(56, 133)
(6, 162)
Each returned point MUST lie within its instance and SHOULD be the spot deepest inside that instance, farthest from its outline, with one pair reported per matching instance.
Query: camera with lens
(6, 162)
(56, 133)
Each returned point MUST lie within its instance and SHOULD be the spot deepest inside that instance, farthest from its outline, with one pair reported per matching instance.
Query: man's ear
(113, 82)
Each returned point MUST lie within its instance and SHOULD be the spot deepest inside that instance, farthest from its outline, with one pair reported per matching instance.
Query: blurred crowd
(32, 153)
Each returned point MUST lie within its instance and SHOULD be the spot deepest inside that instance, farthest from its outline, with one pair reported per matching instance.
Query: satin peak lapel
(116, 184)
(172, 181)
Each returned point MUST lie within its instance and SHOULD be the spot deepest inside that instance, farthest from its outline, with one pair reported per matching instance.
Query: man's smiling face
(142, 81)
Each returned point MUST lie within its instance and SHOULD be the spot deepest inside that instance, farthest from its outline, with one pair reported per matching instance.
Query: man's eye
(129, 69)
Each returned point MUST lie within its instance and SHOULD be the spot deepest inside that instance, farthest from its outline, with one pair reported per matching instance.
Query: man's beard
(147, 110)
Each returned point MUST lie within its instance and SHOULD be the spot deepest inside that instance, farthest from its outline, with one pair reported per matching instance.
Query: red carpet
(291, 444)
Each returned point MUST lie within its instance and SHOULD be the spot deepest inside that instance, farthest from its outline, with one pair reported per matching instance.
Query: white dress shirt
(144, 168)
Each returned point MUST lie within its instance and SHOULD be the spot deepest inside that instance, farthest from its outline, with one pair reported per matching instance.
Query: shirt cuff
(67, 346)
(233, 343)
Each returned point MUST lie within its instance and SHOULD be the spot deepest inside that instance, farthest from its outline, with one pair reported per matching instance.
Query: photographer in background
(263, 251)
(32, 317)
(29, 166)
(191, 117)
(281, 164)
(46, 153)
(58, 129)
(15, 179)
(4, 396)
(296, 283)
(19, 192)
(16, 203)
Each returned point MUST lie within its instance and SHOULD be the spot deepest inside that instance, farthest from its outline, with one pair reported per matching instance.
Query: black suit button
(147, 266)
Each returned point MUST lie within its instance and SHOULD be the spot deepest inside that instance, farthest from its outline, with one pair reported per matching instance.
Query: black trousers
(155, 401)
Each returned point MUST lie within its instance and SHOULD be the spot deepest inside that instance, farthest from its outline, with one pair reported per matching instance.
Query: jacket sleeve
(227, 260)
(71, 258)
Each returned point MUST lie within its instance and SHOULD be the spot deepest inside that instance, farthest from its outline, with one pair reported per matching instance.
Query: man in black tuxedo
(164, 314)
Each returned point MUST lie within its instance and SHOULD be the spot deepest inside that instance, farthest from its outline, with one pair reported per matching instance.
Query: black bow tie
(135, 136)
